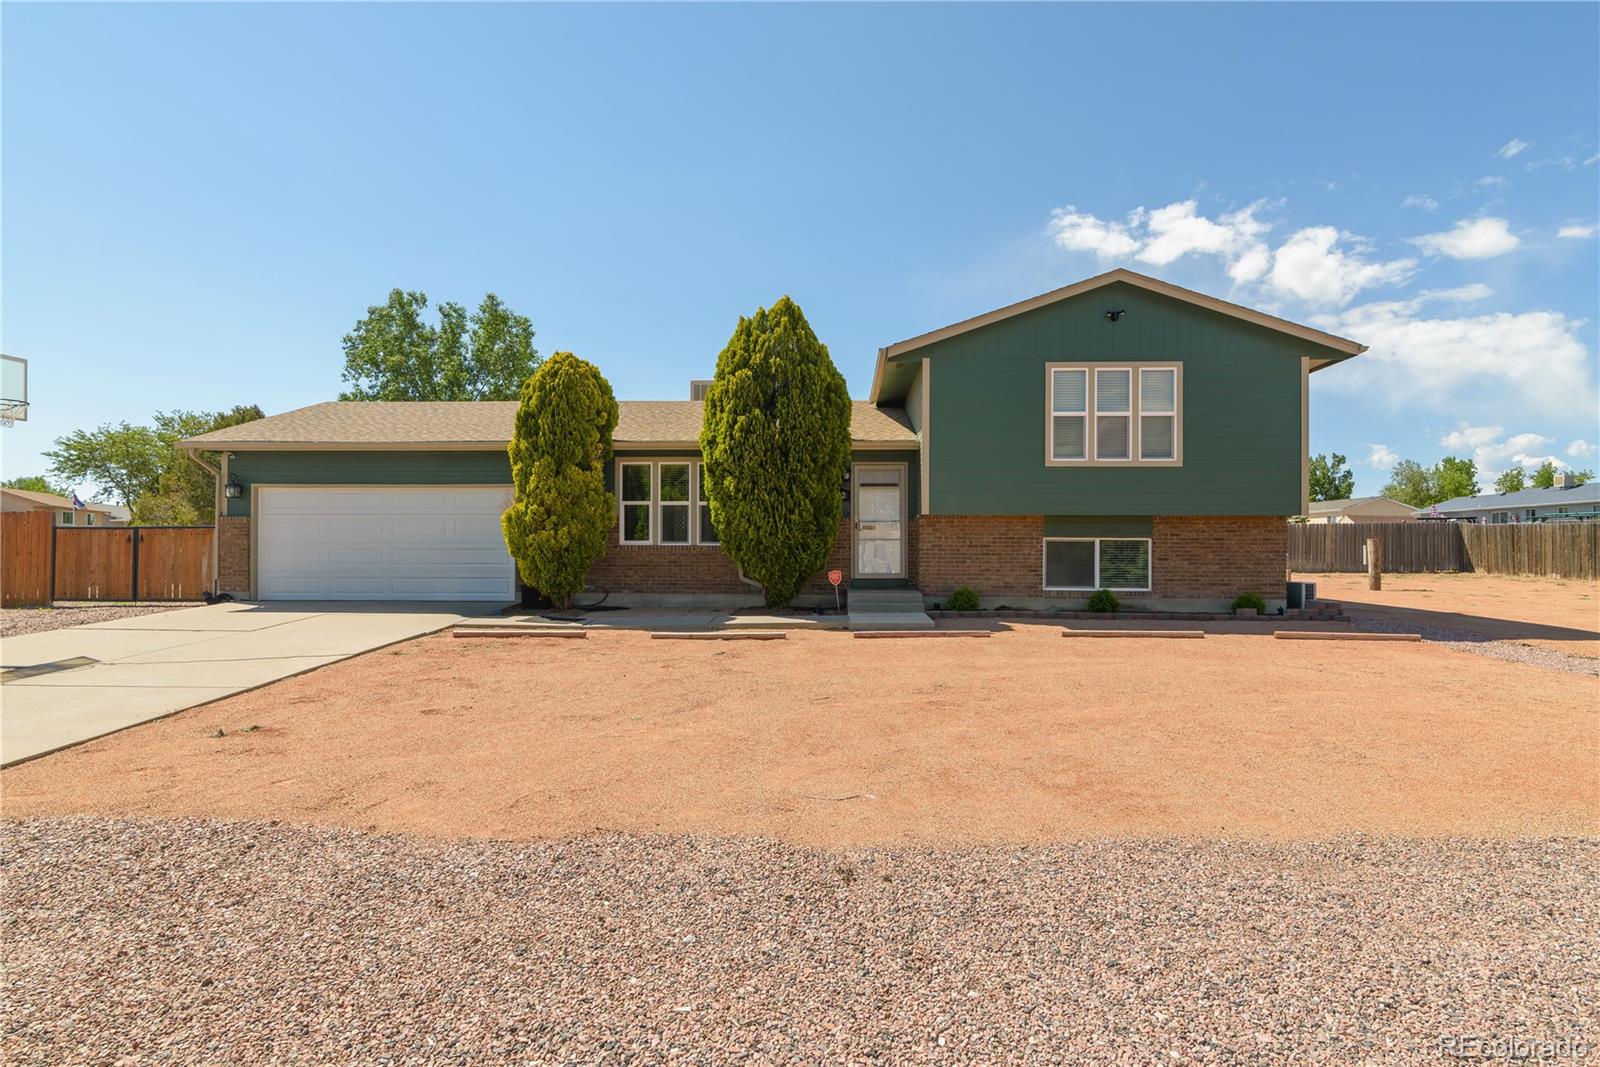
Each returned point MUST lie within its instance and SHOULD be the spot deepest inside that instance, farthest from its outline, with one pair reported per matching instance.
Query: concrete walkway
(63, 687)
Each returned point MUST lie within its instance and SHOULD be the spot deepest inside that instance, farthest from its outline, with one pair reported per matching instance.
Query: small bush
(1104, 600)
(963, 599)
(1250, 600)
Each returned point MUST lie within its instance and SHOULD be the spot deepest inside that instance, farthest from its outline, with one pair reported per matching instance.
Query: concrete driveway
(67, 686)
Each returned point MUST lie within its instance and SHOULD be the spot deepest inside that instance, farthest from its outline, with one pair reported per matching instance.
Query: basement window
(1084, 564)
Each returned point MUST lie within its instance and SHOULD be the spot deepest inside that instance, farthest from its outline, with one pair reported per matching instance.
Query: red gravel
(180, 942)
(824, 740)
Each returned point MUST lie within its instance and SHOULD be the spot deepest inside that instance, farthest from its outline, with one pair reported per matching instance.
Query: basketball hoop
(13, 390)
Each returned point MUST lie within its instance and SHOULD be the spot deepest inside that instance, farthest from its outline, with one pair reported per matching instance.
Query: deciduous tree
(393, 353)
(1330, 479)
(776, 446)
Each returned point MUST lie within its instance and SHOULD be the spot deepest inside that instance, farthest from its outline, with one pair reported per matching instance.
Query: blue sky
(198, 201)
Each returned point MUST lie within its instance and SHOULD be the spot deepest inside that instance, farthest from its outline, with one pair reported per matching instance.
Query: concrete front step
(890, 620)
(885, 600)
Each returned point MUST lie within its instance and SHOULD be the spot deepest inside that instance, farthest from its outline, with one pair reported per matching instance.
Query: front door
(880, 518)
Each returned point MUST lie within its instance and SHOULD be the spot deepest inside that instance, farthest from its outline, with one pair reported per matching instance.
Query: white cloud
(1493, 452)
(1382, 457)
(1422, 200)
(1478, 238)
(1489, 181)
(1077, 232)
(1177, 230)
(1513, 147)
(1311, 265)
(1531, 361)
(1577, 231)
(1592, 160)
(1580, 449)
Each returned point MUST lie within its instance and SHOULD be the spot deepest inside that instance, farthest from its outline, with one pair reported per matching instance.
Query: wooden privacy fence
(1555, 550)
(25, 557)
(102, 562)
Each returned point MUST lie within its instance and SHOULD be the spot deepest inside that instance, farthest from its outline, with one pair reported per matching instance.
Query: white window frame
(1141, 414)
(1084, 413)
(623, 504)
(655, 463)
(1135, 412)
(1044, 567)
(67, 518)
(701, 503)
(686, 504)
(1128, 415)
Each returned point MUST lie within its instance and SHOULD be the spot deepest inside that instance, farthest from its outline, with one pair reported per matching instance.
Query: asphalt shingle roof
(488, 422)
(1588, 493)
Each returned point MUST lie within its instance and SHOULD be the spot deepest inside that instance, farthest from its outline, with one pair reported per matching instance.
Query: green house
(1119, 433)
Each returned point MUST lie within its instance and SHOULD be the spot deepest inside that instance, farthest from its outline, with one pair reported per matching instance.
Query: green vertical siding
(1241, 412)
(914, 400)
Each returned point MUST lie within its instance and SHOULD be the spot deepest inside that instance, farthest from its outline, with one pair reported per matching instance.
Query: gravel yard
(14, 622)
(826, 740)
(1553, 614)
(248, 943)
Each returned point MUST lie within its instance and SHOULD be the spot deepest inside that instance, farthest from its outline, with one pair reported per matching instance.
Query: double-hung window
(635, 481)
(662, 502)
(1113, 413)
(706, 533)
(1158, 413)
(1084, 564)
(1069, 413)
(1128, 413)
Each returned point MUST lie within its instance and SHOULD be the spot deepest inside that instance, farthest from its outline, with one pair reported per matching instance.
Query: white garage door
(388, 543)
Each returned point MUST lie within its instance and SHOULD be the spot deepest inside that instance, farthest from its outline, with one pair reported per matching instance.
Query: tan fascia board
(1120, 274)
(462, 446)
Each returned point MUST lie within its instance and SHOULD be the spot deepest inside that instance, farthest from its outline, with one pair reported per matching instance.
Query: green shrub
(1104, 600)
(776, 446)
(1250, 600)
(556, 526)
(963, 599)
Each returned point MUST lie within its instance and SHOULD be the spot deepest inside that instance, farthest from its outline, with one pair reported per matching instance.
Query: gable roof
(1334, 507)
(486, 424)
(1099, 281)
(51, 500)
(1587, 493)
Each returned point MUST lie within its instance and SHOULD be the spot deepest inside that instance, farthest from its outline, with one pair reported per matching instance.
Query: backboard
(13, 390)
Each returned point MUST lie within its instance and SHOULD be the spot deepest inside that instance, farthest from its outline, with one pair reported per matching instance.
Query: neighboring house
(1563, 503)
(1359, 509)
(65, 513)
(1118, 433)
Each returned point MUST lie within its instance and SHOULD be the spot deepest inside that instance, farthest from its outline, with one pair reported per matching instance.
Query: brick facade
(994, 554)
(233, 554)
(1193, 557)
(1217, 557)
(692, 568)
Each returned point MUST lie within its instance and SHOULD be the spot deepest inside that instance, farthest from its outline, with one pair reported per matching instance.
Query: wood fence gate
(1551, 550)
(44, 562)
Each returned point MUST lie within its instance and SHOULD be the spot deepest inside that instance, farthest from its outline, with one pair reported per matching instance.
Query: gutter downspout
(217, 504)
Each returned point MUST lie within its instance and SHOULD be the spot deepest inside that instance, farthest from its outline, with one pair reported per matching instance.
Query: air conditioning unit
(698, 387)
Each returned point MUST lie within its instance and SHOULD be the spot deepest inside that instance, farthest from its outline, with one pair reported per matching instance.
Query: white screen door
(880, 522)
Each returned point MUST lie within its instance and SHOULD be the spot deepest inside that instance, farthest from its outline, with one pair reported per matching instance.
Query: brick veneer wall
(994, 554)
(233, 554)
(1193, 556)
(1219, 556)
(692, 568)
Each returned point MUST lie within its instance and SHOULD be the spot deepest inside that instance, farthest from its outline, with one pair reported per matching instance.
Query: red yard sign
(835, 577)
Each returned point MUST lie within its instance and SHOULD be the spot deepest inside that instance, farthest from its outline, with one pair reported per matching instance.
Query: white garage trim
(380, 542)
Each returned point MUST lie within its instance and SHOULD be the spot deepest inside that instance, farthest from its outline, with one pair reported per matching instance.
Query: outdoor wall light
(233, 489)
(1113, 316)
